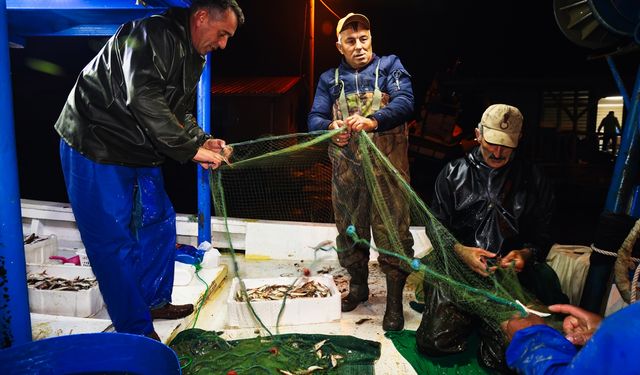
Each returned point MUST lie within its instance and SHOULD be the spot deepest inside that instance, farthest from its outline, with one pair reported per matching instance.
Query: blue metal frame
(16, 311)
(204, 120)
(77, 17)
(620, 198)
(20, 19)
(634, 210)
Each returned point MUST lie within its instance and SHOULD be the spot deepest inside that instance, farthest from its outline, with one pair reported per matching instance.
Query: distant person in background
(367, 95)
(611, 128)
(610, 345)
(130, 109)
(500, 206)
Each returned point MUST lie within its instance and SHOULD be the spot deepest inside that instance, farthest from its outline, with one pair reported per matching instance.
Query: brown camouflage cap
(352, 17)
(501, 125)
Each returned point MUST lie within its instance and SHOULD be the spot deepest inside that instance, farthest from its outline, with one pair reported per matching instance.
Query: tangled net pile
(289, 178)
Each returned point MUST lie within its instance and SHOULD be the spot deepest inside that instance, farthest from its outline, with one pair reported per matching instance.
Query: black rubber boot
(358, 288)
(393, 316)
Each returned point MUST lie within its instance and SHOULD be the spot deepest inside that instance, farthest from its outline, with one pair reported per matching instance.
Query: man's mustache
(497, 159)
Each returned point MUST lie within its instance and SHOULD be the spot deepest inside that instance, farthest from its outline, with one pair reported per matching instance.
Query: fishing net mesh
(277, 178)
(289, 178)
(204, 352)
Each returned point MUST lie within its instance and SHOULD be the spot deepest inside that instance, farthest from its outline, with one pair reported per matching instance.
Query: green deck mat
(465, 363)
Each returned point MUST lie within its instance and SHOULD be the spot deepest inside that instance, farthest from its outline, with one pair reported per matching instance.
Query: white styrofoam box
(183, 274)
(288, 239)
(284, 240)
(296, 311)
(40, 251)
(82, 303)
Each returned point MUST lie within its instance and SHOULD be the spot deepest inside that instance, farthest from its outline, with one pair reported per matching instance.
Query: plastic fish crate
(40, 251)
(81, 303)
(297, 311)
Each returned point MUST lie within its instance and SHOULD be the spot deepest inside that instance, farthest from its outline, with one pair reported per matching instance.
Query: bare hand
(214, 144)
(219, 146)
(357, 123)
(475, 258)
(580, 325)
(340, 139)
(208, 159)
(518, 258)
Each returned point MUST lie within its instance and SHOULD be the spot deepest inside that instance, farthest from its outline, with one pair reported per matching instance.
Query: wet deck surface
(365, 322)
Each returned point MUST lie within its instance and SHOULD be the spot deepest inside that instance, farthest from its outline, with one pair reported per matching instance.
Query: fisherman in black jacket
(498, 206)
(131, 108)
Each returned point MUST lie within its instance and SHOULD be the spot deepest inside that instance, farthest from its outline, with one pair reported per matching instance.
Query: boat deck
(364, 322)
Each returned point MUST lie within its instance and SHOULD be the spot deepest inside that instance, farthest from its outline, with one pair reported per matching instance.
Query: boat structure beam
(14, 317)
(204, 120)
(620, 198)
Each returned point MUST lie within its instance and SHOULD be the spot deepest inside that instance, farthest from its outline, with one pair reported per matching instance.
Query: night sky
(499, 38)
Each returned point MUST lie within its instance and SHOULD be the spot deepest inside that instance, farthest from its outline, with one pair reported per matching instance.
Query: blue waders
(127, 224)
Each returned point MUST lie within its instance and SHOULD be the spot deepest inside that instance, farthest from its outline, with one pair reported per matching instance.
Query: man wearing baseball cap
(499, 207)
(367, 96)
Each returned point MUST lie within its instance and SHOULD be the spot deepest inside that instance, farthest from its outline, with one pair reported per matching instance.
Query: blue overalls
(128, 226)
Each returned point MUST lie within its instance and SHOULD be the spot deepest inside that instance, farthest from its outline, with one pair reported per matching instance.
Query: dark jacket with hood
(132, 104)
(499, 210)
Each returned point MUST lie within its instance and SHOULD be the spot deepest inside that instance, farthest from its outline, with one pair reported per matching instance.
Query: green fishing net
(288, 178)
(279, 178)
(204, 352)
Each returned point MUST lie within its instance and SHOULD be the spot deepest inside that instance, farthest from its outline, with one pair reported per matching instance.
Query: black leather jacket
(495, 209)
(132, 104)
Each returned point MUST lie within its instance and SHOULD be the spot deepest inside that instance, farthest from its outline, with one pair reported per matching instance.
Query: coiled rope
(624, 263)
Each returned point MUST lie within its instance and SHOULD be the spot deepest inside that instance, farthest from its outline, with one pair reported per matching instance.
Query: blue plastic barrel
(91, 353)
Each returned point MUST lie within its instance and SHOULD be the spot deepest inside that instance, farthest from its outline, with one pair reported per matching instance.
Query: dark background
(488, 41)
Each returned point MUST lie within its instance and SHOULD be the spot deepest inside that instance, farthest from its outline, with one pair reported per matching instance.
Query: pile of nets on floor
(204, 352)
